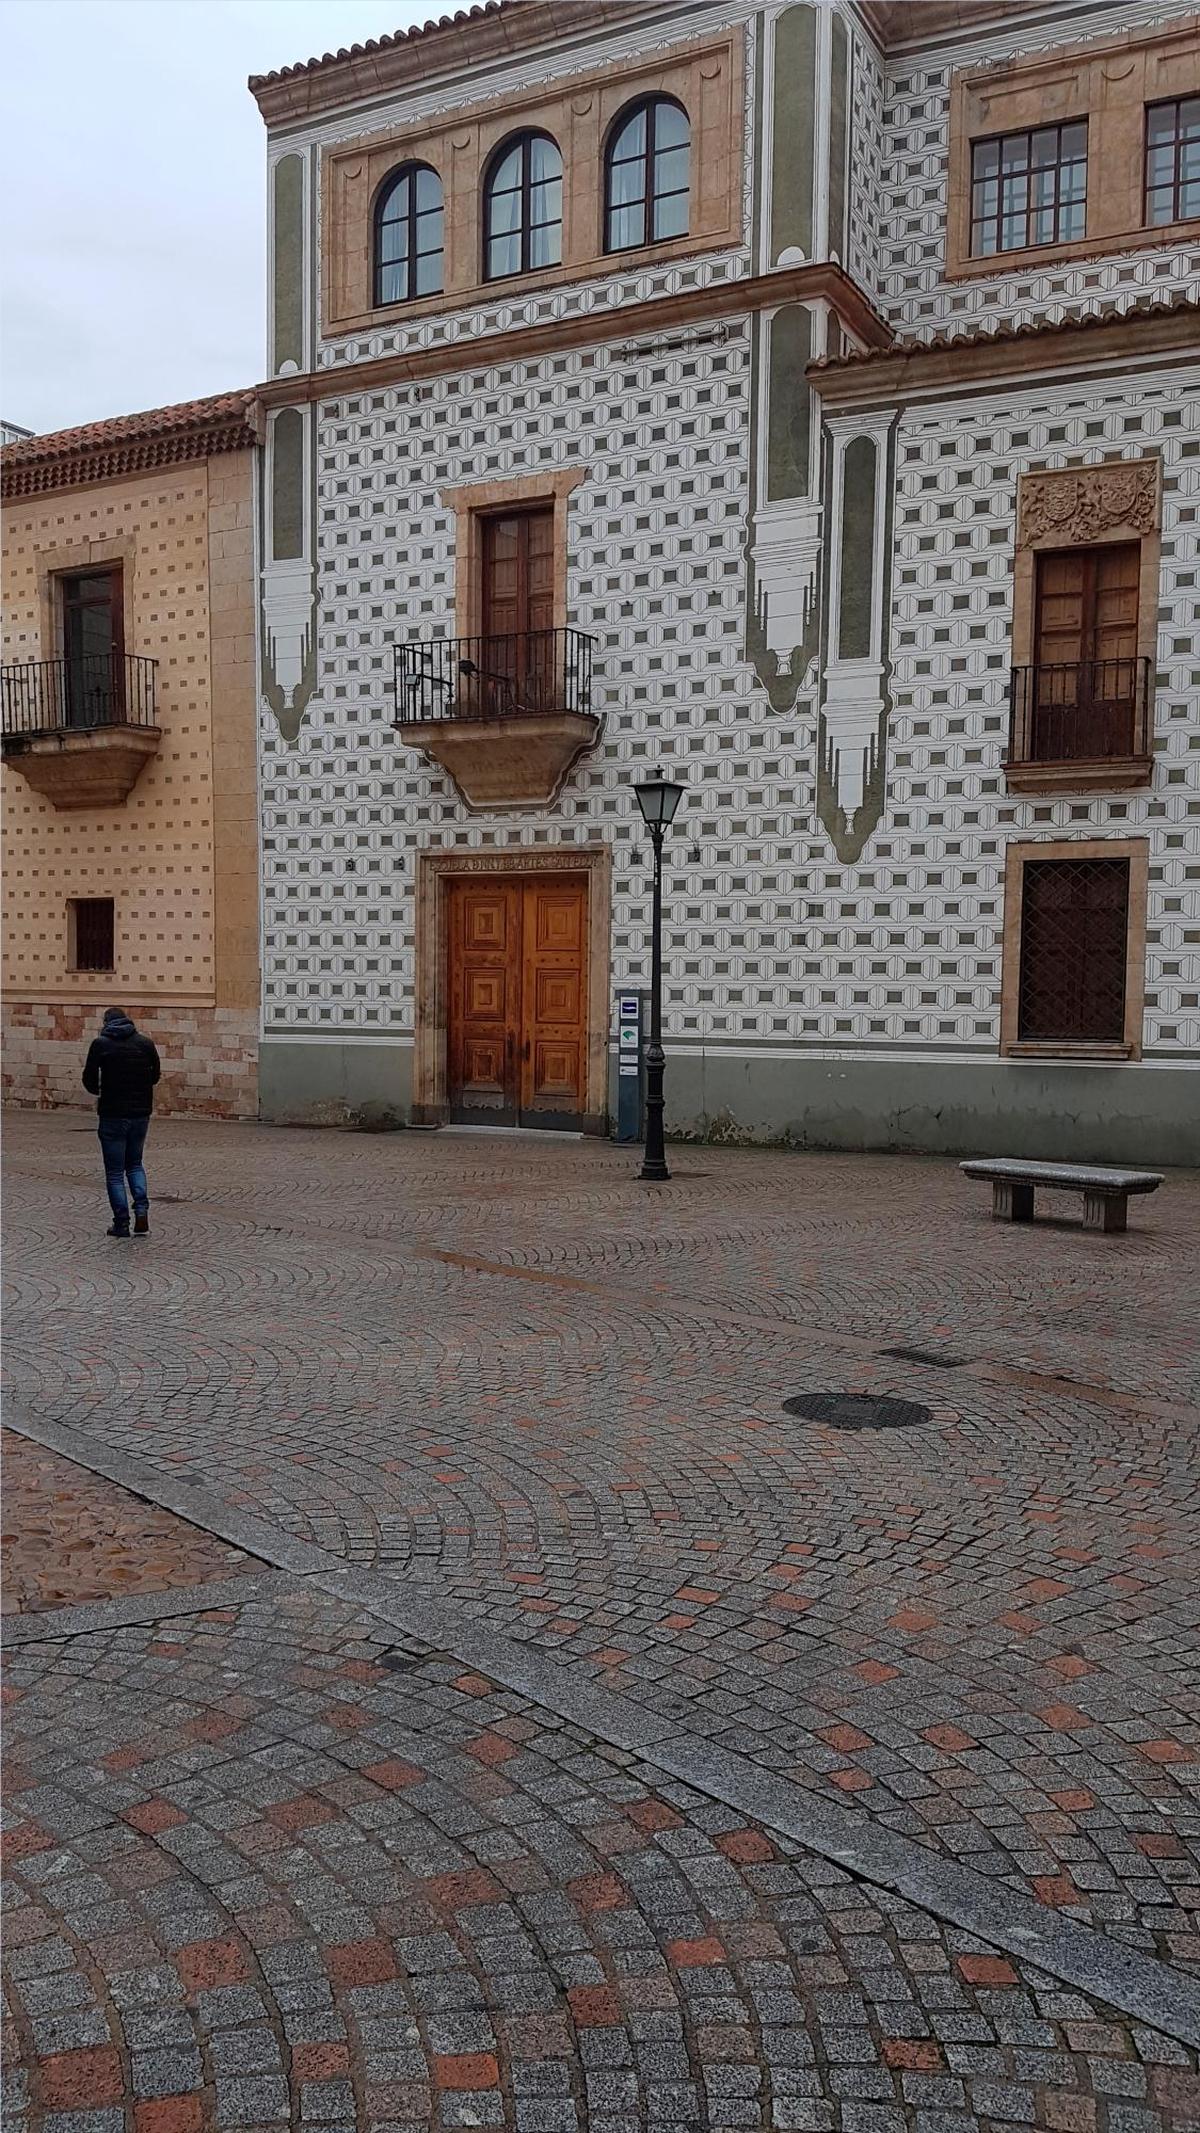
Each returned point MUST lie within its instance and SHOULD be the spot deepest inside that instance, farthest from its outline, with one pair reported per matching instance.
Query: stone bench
(1105, 1192)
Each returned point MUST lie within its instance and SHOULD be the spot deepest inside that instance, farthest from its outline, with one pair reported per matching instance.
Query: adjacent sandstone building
(130, 814)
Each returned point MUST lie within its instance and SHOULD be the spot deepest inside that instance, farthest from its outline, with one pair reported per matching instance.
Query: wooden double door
(1086, 652)
(517, 1000)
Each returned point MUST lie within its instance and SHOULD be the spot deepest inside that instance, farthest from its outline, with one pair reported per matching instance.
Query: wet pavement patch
(928, 1356)
(856, 1410)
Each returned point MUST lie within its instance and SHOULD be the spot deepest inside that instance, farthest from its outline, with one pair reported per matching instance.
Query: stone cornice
(907, 369)
(626, 323)
(474, 39)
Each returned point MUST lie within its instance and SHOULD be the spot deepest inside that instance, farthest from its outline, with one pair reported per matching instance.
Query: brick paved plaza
(445, 1688)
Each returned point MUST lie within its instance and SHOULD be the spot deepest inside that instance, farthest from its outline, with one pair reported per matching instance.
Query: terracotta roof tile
(386, 44)
(116, 429)
(126, 444)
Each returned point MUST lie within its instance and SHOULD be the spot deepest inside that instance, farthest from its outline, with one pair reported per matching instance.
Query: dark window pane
(671, 216)
(626, 227)
(1160, 122)
(504, 256)
(1072, 221)
(507, 173)
(671, 129)
(987, 158)
(545, 202)
(429, 273)
(628, 183)
(544, 159)
(1014, 152)
(1074, 141)
(631, 140)
(671, 171)
(429, 190)
(545, 245)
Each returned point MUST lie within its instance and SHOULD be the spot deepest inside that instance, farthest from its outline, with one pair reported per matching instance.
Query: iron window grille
(1074, 946)
(409, 236)
(646, 179)
(1029, 188)
(1173, 160)
(523, 207)
(93, 933)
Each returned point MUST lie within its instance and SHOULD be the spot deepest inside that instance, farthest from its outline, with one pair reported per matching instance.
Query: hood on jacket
(118, 1024)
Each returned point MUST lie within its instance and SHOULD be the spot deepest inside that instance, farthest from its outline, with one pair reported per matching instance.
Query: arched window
(646, 175)
(522, 221)
(408, 235)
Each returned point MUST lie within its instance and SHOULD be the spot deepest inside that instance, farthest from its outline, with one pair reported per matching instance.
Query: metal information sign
(629, 1066)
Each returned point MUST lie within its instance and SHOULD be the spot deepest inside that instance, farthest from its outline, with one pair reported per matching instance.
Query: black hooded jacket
(121, 1069)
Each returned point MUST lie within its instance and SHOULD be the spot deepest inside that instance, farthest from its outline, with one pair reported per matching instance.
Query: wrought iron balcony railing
(44, 696)
(1096, 710)
(535, 674)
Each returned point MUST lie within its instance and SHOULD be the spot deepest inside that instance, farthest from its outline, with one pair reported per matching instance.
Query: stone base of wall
(209, 1055)
(1045, 1110)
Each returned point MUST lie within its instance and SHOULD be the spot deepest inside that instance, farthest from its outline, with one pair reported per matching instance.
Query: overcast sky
(132, 162)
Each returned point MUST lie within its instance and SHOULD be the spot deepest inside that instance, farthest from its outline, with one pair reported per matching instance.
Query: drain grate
(856, 1410)
(929, 1357)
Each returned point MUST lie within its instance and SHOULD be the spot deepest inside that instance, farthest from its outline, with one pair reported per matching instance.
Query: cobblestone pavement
(70, 1538)
(265, 1866)
(502, 1371)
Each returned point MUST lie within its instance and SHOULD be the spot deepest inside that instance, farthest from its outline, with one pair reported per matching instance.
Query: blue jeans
(121, 1143)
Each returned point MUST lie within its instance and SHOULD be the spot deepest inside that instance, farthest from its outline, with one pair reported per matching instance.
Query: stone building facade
(802, 398)
(130, 807)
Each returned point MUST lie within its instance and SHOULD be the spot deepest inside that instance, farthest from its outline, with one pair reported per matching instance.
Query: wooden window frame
(1177, 142)
(1110, 82)
(650, 107)
(1136, 851)
(1111, 502)
(475, 502)
(74, 966)
(379, 266)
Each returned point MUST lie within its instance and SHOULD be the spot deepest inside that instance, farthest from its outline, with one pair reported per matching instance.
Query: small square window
(92, 930)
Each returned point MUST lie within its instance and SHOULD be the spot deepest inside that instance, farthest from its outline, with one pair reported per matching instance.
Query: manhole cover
(855, 1410)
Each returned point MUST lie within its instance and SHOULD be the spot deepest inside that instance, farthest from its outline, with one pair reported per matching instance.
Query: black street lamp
(658, 799)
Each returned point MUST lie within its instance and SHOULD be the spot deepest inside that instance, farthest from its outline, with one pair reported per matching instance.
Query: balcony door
(1085, 651)
(93, 647)
(517, 607)
(517, 1000)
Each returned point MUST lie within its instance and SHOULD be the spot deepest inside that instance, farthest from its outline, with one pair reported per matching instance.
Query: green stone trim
(287, 485)
(789, 403)
(794, 126)
(856, 592)
(288, 312)
(839, 101)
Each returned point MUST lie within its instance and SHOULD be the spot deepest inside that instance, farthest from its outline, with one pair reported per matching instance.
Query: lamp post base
(654, 1171)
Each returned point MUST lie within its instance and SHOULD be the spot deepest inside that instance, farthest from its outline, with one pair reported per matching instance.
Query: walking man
(121, 1069)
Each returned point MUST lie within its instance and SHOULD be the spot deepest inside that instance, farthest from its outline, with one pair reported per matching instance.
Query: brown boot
(141, 1225)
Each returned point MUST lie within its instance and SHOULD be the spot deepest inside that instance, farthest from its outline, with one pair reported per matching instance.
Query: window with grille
(1074, 935)
(1173, 160)
(93, 932)
(1029, 188)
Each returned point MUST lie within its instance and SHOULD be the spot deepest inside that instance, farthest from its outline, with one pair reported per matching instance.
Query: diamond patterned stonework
(807, 616)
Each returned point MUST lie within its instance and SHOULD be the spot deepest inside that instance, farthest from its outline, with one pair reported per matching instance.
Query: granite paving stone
(291, 1859)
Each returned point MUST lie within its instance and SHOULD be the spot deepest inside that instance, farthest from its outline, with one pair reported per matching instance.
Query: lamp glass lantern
(658, 799)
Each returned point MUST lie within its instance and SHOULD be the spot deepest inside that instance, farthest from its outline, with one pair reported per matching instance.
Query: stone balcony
(80, 731)
(504, 717)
